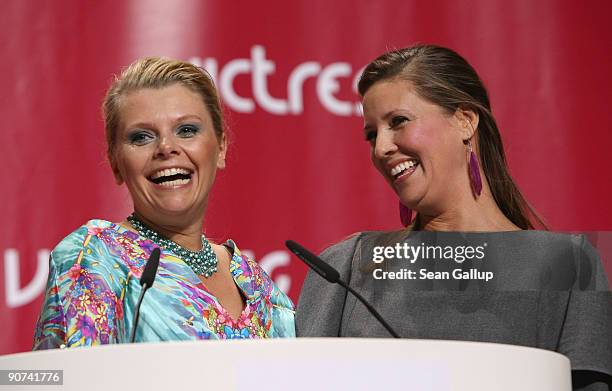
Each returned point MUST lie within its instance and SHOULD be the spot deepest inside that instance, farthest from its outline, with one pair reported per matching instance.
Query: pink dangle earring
(474, 171)
(405, 215)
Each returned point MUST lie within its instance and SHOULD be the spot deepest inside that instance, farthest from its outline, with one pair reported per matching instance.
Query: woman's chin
(170, 210)
(410, 200)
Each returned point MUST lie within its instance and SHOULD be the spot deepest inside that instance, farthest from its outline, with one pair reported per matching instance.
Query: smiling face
(167, 152)
(416, 146)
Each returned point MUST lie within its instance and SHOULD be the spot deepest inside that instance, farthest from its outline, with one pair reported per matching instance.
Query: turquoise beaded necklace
(203, 262)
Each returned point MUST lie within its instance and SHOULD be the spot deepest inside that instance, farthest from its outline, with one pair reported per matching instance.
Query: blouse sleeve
(80, 307)
(51, 326)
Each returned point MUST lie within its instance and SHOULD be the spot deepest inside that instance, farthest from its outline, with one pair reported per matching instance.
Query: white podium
(301, 364)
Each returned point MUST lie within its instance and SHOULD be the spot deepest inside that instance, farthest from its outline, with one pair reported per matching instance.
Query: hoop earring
(405, 215)
(474, 171)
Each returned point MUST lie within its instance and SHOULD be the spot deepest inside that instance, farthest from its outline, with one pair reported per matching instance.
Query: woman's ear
(467, 119)
(222, 151)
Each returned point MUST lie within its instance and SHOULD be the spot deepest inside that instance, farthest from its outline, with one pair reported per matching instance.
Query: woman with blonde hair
(166, 139)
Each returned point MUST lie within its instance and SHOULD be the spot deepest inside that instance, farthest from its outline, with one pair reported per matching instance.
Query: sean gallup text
(424, 274)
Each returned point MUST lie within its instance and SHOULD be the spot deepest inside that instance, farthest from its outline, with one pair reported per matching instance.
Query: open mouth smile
(170, 177)
(404, 169)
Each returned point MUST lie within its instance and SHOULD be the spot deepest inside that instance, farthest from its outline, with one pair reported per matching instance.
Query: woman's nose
(385, 144)
(166, 147)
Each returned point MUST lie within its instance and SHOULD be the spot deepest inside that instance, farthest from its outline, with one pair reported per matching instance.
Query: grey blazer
(549, 290)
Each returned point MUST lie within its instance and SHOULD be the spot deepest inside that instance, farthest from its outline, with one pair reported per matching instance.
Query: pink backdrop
(298, 167)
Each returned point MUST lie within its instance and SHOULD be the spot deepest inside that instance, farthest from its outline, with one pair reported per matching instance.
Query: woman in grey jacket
(469, 264)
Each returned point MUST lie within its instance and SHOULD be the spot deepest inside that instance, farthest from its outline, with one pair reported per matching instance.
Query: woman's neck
(185, 232)
(468, 215)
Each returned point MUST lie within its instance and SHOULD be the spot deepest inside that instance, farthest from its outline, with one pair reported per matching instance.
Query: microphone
(330, 274)
(146, 281)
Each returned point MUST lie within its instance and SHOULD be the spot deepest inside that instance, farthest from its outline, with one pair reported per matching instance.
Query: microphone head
(150, 269)
(314, 262)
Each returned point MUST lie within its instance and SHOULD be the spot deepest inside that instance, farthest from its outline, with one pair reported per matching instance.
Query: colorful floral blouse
(94, 285)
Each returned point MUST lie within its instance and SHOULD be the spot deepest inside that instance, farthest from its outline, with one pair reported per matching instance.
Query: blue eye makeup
(145, 136)
(188, 130)
(140, 137)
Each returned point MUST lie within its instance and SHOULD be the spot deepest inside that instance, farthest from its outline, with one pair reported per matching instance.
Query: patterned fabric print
(94, 306)
(247, 325)
(248, 275)
(80, 307)
(93, 287)
(218, 320)
(54, 332)
(122, 245)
